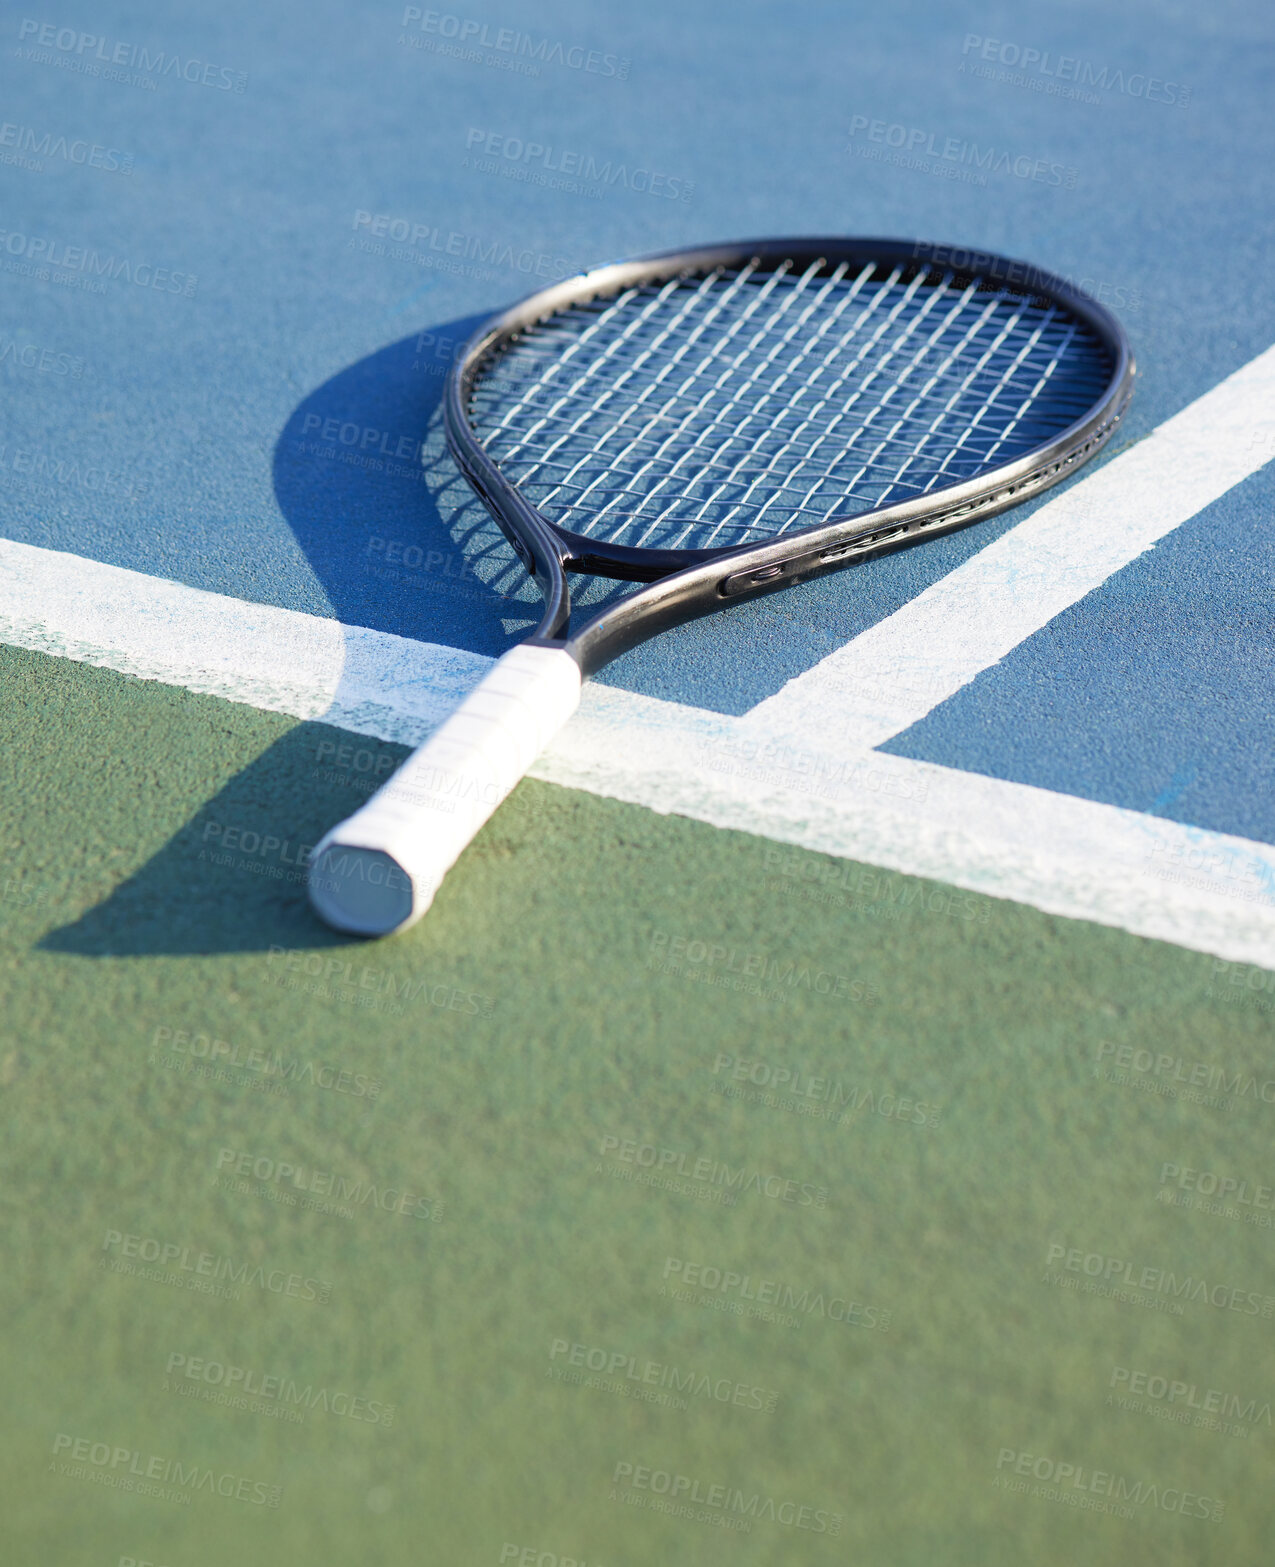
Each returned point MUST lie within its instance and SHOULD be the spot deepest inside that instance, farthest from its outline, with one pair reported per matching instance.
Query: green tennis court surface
(600, 1232)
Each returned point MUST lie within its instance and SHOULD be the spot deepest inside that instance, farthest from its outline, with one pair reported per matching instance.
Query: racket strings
(896, 382)
(693, 442)
(732, 407)
(617, 395)
(774, 472)
(911, 425)
(504, 387)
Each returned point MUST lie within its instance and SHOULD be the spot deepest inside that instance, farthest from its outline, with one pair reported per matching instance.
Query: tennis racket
(717, 424)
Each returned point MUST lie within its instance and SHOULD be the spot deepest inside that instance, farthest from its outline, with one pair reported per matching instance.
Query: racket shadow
(232, 878)
(399, 544)
(386, 523)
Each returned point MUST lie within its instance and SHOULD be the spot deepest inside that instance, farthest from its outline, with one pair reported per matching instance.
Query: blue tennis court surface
(973, 845)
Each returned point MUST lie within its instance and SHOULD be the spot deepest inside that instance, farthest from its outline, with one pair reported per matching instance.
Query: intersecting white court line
(894, 673)
(800, 766)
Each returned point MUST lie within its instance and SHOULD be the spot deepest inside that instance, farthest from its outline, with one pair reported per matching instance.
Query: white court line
(1209, 891)
(1212, 892)
(894, 673)
(270, 658)
(1202, 890)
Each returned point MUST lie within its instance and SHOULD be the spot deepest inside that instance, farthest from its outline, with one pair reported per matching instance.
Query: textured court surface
(865, 1013)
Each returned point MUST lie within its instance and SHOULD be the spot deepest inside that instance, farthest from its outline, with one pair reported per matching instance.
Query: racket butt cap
(364, 892)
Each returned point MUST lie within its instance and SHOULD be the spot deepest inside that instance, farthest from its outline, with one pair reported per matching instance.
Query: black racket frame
(684, 584)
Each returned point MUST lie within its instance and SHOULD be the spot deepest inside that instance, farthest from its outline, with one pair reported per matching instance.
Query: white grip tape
(380, 868)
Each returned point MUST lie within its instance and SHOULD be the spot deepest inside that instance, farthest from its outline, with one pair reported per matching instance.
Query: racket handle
(379, 869)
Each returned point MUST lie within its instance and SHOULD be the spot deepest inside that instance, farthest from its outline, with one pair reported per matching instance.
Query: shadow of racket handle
(378, 870)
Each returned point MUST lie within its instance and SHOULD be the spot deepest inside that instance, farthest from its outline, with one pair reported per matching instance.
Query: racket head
(766, 402)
